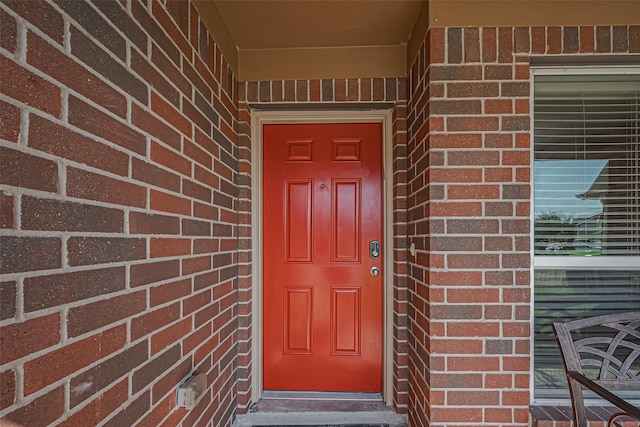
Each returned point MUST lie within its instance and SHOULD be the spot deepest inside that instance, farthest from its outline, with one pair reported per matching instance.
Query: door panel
(345, 236)
(298, 207)
(298, 317)
(322, 206)
(345, 321)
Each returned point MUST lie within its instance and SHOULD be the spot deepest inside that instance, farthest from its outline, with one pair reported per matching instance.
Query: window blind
(587, 165)
(586, 203)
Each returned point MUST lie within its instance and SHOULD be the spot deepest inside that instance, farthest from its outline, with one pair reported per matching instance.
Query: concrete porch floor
(308, 410)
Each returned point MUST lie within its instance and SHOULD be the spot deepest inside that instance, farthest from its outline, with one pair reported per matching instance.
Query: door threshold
(320, 402)
(321, 395)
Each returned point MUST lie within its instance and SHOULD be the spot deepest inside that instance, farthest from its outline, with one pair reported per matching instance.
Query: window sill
(562, 416)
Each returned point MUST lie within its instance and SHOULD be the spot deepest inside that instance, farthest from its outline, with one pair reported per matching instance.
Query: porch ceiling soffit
(304, 39)
(301, 39)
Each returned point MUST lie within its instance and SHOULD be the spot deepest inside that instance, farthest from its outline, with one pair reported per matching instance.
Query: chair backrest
(603, 348)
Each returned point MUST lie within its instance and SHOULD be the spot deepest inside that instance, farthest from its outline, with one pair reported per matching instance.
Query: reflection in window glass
(563, 295)
(587, 164)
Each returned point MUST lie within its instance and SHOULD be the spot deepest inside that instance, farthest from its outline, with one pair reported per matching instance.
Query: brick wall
(324, 94)
(119, 196)
(469, 158)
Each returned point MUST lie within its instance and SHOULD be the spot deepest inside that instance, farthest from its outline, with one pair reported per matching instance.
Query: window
(586, 207)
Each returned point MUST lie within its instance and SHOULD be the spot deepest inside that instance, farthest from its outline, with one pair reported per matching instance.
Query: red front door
(322, 219)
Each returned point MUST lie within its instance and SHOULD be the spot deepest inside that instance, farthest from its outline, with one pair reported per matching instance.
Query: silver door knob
(375, 271)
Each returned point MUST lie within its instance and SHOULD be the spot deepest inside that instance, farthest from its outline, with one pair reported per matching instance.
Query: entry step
(311, 418)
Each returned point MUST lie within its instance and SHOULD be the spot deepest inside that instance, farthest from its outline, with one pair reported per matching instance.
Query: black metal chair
(602, 354)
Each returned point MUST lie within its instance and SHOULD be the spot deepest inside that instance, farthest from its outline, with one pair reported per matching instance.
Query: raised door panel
(298, 239)
(346, 221)
(345, 321)
(346, 149)
(300, 150)
(298, 314)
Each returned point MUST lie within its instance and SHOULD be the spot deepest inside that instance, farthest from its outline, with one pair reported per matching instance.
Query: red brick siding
(469, 160)
(119, 198)
(339, 93)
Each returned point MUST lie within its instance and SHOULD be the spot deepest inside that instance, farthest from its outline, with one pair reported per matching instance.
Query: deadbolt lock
(374, 249)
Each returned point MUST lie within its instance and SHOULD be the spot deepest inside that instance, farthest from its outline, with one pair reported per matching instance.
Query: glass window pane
(586, 177)
(587, 165)
(564, 295)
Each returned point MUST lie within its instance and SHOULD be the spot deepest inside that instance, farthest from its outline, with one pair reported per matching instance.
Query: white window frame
(565, 262)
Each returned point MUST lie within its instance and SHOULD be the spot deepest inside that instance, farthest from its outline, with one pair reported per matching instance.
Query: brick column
(470, 222)
(469, 171)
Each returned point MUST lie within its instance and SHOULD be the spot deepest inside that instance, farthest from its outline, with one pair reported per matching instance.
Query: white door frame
(260, 118)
